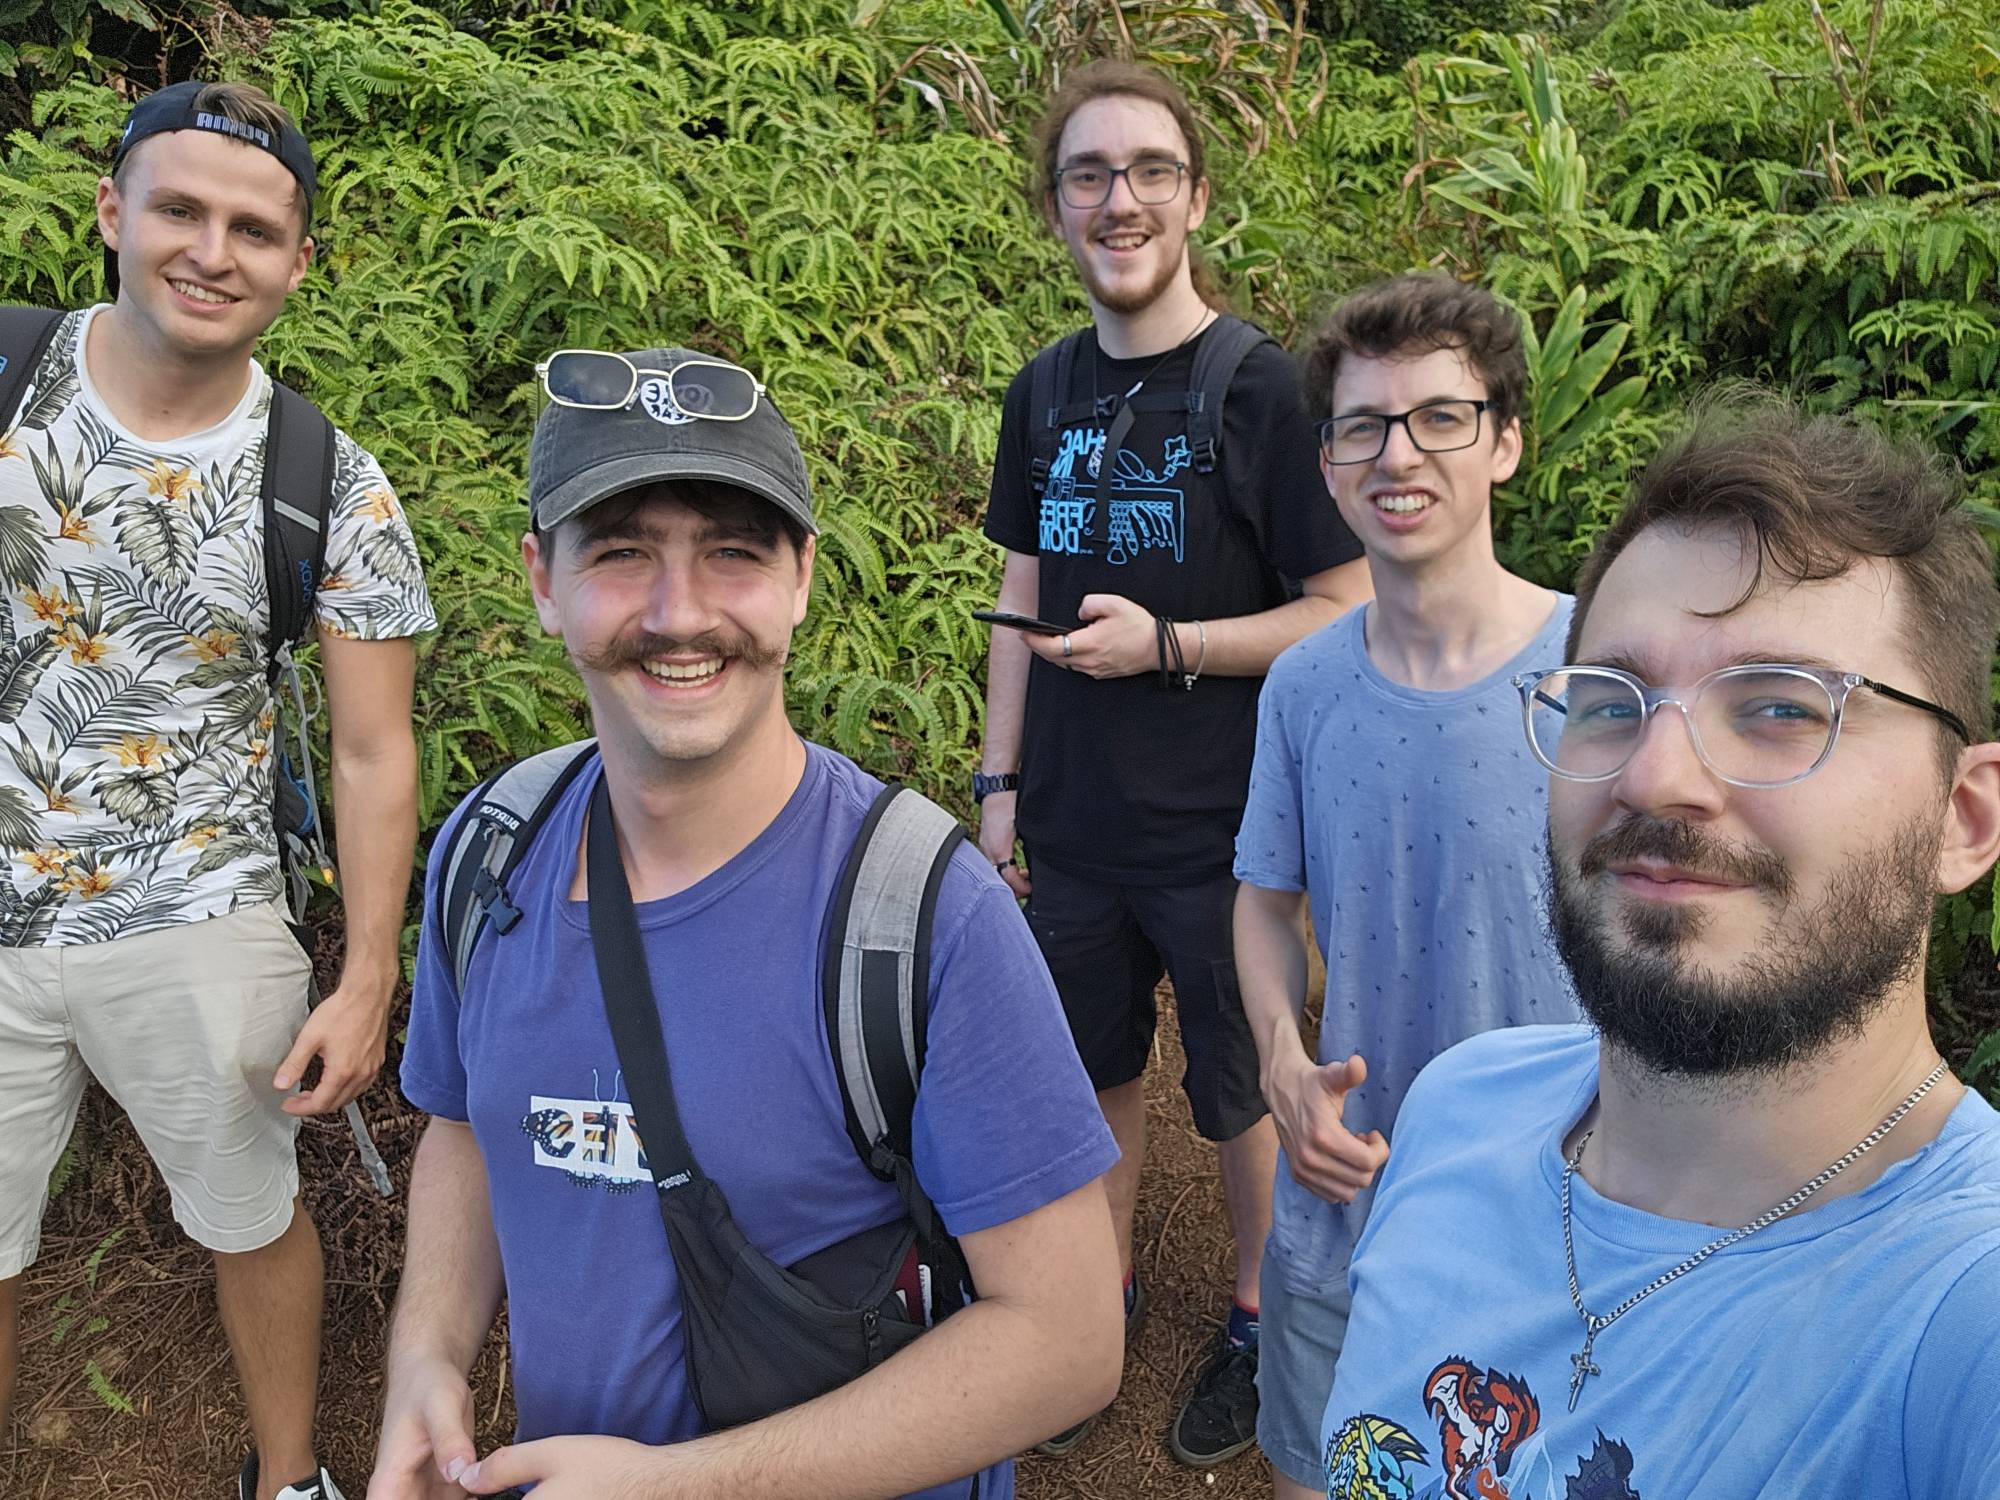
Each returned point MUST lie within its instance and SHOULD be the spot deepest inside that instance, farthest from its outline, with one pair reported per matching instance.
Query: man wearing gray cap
(672, 550)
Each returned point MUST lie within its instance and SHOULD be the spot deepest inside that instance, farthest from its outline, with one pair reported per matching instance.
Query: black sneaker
(319, 1487)
(1220, 1418)
(1069, 1437)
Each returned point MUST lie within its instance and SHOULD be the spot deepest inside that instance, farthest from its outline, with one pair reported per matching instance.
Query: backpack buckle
(883, 1160)
(492, 899)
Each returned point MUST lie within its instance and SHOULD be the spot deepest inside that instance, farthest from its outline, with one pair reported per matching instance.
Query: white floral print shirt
(138, 739)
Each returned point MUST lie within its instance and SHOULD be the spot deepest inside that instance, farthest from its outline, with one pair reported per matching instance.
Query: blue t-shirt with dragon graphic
(1846, 1351)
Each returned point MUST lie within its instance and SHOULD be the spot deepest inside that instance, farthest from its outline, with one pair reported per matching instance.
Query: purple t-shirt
(1005, 1120)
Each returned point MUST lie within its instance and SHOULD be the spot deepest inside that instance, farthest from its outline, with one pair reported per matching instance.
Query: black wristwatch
(1006, 781)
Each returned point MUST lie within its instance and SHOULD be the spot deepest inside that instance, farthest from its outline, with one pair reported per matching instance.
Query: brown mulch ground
(127, 1392)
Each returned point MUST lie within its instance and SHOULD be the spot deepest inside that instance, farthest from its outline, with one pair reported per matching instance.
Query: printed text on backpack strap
(1048, 385)
(876, 980)
(297, 499)
(490, 840)
(24, 338)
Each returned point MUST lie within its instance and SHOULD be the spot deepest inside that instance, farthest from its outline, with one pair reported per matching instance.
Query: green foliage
(79, 1325)
(1577, 443)
(47, 42)
(51, 39)
(1670, 191)
(740, 180)
(102, 1387)
(96, 1257)
(1983, 1067)
(1415, 26)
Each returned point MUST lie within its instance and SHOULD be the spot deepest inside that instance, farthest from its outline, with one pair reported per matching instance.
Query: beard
(1816, 977)
(1125, 299)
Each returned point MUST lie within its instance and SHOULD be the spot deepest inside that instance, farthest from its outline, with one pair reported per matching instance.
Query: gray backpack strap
(490, 840)
(877, 969)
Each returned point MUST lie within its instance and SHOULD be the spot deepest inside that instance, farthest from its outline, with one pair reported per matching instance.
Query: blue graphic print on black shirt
(1124, 780)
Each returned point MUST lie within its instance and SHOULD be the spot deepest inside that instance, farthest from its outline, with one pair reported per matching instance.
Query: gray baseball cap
(580, 457)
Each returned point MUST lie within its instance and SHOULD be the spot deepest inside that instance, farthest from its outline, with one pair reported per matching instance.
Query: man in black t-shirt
(1124, 751)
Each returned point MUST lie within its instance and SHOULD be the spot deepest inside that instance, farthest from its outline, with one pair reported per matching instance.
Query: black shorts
(1107, 946)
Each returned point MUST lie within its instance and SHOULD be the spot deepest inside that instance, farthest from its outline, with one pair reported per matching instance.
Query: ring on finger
(1065, 641)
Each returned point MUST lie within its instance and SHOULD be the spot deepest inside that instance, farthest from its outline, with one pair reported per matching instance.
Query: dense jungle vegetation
(1804, 192)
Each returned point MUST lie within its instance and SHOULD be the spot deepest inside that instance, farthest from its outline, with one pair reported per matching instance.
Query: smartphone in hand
(1021, 622)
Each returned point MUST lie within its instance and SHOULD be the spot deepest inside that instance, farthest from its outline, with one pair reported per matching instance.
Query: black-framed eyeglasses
(1151, 180)
(1760, 725)
(597, 380)
(1434, 427)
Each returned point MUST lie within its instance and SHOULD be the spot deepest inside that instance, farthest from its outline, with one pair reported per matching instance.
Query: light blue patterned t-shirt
(1846, 1351)
(1415, 822)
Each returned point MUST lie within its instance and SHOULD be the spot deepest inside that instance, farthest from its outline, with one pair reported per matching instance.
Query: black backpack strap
(24, 338)
(1048, 384)
(490, 840)
(630, 1004)
(1217, 358)
(298, 500)
(876, 981)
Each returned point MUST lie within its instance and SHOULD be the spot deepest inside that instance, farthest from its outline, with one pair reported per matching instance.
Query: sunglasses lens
(715, 391)
(586, 378)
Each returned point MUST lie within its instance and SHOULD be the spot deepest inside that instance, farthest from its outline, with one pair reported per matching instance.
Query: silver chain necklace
(1593, 1325)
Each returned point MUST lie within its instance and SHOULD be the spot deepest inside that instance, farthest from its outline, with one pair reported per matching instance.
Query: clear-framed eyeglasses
(1761, 725)
(1152, 180)
(1434, 427)
(597, 380)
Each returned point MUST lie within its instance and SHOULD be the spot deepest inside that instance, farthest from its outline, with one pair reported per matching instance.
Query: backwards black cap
(176, 108)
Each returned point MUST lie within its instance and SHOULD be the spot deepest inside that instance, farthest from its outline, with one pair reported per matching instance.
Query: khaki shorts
(184, 1028)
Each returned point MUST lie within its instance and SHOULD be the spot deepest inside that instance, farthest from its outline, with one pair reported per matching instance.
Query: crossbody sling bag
(759, 1337)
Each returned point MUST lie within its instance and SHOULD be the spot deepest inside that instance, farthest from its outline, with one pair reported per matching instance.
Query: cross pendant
(1584, 1368)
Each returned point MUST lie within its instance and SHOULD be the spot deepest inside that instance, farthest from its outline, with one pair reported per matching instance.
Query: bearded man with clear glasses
(1741, 1237)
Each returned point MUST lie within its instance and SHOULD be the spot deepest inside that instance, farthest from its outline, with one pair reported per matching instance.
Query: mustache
(1680, 843)
(643, 645)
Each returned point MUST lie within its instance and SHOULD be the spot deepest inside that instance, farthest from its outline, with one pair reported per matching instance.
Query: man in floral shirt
(139, 878)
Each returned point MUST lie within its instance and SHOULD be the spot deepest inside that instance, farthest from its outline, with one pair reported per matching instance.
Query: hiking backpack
(874, 981)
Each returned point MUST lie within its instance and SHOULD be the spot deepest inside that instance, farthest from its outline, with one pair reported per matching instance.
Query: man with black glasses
(667, 1288)
(1741, 1237)
(1155, 492)
(1392, 791)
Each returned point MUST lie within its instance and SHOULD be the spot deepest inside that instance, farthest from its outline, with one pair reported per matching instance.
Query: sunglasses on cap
(595, 380)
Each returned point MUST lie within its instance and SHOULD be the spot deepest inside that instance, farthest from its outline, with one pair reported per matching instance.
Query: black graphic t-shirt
(1124, 780)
